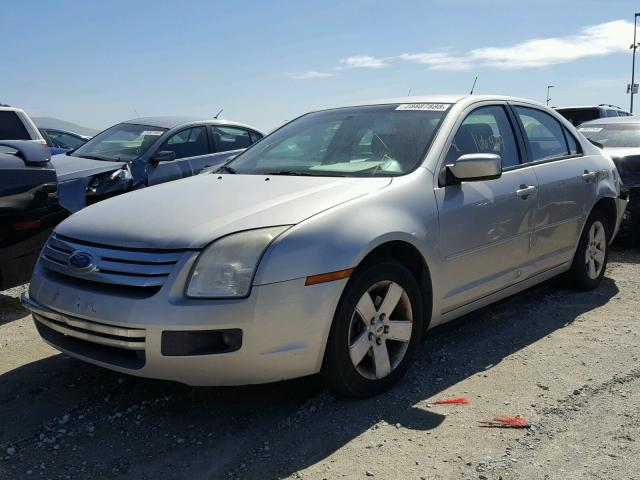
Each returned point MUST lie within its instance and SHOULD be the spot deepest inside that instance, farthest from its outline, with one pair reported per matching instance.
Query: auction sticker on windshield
(152, 132)
(428, 107)
(590, 129)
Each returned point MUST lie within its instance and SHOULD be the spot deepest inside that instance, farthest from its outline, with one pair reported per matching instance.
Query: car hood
(627, 162)
(192, 212)
(70, 168)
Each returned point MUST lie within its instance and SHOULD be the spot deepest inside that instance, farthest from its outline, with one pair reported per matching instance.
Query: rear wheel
(590, 260)
(375, 331)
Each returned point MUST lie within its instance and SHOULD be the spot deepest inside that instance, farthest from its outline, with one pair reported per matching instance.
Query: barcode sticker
(425, 107)
(590, 129)
(152, 132)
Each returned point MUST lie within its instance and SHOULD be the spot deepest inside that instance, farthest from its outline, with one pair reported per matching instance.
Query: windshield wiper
(291, 172)
(226, 169)
(96, 157)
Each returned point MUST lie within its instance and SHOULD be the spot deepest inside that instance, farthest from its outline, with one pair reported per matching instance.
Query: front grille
(116, 345)
(137, 268)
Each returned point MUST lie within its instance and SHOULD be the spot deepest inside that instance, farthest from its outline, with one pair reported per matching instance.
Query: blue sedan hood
(70, 168)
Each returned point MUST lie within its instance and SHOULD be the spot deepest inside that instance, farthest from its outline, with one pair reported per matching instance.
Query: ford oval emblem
(81, 262)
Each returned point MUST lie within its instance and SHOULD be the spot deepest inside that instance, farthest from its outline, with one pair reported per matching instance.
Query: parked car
(15, 124)
(620, 139)
(331, 245)
(29, 208)
(62, 141)
(146, 151)
(579, 115)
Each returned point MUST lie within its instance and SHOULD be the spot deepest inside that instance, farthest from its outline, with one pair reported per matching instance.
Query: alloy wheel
(596, 249)
(380, 330)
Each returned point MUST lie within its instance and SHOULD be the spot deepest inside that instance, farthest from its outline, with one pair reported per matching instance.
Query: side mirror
(33, 153)
(476, 166)
(163, 156)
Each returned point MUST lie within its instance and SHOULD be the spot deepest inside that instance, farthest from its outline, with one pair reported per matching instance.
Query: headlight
(226, 267)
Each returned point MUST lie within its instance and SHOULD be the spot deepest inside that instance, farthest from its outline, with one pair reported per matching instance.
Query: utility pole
(634, 47)
(549, 87)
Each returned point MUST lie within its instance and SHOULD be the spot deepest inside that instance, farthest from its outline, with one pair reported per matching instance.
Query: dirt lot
(568, 362)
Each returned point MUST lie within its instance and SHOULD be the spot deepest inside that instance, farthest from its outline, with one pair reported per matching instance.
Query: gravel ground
(568, 362)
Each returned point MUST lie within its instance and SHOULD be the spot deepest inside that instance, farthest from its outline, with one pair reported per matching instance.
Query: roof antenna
(217, 114)
(409, 93)
(474, 85)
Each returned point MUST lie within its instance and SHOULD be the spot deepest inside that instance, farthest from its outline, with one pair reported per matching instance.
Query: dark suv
(579, 115)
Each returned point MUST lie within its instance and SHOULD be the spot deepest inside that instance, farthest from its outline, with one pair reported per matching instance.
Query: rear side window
(231, 138)
(486, 130)
(543, 134)
(574, 148)
(12, 128)
(255, 136)
(612, 113)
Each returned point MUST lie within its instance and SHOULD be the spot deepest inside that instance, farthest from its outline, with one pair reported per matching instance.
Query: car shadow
(248, 432)
(11, 309)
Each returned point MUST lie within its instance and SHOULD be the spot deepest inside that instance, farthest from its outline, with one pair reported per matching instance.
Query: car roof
(600, 121)
(608, 107)
(10, 109)
(442, 99)
(172, 121)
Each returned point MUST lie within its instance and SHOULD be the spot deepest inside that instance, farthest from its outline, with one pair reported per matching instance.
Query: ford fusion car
(331, 245)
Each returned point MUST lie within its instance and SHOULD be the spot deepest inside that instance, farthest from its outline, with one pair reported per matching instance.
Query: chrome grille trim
(113, 265)
(126, 338)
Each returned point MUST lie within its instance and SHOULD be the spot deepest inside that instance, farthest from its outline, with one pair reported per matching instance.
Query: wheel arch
(410, 257)
(607, 206)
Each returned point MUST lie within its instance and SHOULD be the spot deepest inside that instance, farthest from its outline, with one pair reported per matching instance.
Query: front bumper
(284, 327)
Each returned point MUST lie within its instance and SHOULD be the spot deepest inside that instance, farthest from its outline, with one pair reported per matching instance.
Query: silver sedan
(332, 245)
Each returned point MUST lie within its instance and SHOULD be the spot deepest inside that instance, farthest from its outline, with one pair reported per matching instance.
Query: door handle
(525, 190)
(588, 176)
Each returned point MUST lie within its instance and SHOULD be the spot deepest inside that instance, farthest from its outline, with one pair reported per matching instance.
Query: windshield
(613, 135)
(121, 143)
(380, 140)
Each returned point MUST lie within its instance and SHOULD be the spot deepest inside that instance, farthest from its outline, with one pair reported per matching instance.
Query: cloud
(363, 61)
(596, 40)
(310, 75)
(439, 61)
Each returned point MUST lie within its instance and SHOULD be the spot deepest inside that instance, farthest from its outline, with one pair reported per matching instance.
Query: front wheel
(376, 330)
(590, 260)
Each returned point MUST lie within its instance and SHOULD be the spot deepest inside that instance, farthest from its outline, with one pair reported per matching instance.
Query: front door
(486, 226)
(189, 145)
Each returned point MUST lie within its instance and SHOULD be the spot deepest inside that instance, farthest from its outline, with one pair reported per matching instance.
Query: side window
(544, 134)
(486, 130)
(64, 140)
(190, 142)
(612, 113)
(11, 127)
(231, 138)
(574, 149)
(255, 136)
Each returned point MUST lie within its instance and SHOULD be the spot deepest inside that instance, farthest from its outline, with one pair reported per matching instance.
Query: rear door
(566, 181)
(486, 226)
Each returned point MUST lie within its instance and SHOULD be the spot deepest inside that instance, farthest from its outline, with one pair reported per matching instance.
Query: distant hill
(49, 122)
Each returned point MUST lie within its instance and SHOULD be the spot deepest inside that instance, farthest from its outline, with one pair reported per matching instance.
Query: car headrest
(475, 138)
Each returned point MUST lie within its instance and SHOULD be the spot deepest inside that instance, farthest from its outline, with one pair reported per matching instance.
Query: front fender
(341, 237)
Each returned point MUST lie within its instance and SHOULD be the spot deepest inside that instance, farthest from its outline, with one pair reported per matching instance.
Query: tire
(590, 259)
(353, 335)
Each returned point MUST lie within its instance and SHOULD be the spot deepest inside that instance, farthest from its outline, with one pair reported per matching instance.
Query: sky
(266, 62)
